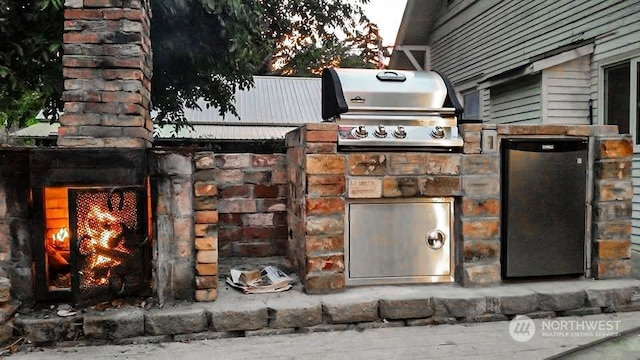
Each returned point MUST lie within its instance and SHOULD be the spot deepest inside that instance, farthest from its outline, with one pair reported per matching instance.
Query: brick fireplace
(323, 180)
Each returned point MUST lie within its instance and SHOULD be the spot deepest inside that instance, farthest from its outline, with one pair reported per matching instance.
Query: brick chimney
(107, 73)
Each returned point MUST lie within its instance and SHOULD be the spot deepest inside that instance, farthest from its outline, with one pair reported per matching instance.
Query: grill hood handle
(391, 76)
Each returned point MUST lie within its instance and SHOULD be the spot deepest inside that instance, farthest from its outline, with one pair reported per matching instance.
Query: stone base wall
(322, 179)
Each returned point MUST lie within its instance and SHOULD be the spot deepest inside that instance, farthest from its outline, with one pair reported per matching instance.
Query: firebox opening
(57, 250)
(96, 242)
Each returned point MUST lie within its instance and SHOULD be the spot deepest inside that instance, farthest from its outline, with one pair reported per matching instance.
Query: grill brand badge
(522, 328)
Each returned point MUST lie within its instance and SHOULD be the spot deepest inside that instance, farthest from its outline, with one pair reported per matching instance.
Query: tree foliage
(30, 58)
(202, 49)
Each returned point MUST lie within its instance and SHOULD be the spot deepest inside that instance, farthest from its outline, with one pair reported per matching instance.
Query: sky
(387, 15)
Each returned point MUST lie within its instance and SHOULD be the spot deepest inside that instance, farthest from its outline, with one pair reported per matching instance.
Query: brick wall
(107, 72)
(251, 202)
(321, 180)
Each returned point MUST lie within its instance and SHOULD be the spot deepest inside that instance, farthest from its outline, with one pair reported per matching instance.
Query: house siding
(566, 95)
(484, 38)
(517, 102)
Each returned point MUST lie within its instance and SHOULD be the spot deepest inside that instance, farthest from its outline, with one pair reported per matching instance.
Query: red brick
(229, 234)
(207, 217)
(325, 164)
(321, 148)
(267, 191)
(272, 205)
(205, 189)
(326, 263)
(485, 207)
(255, 233)
(484, 229)
(319, 206)
(367, 164)
(324, 283)
(206, 295)
(319, 244)
(206, 243)
(206, 282)
(476, 250)
(322, 136)
(207, 256)
(230, 219)
(395, 186)
(237, 206)
(325, 185)
(441, 186)
(614, 149)
(82, 14)
(613, 249)
(235, 191)
(271, 160)
(207, 269)
(253, 249)
(611, 269)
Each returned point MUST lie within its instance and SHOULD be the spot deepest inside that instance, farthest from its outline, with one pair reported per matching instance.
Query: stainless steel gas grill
(391, 109)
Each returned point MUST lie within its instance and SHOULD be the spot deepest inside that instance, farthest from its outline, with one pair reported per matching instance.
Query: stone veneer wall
(107, 71)
(172, 191)
(252, 195)
(320, 178)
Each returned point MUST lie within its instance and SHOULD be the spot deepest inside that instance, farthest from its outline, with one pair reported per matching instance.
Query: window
(622, 97)
(471, 103)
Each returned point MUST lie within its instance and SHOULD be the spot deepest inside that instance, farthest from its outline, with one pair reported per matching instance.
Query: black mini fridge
(543, 221)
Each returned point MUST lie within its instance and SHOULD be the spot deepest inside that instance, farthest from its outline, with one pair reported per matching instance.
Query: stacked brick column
(479, 214)
(613, 193)
(107, 72)
(206, 228)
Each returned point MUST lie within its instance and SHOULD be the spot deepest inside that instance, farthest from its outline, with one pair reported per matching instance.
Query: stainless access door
(399, 241)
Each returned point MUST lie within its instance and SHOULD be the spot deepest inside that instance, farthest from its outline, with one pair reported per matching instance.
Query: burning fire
(60, 238)
(102, 244)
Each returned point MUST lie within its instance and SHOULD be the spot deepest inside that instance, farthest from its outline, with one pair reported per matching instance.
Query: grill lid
(386, 92)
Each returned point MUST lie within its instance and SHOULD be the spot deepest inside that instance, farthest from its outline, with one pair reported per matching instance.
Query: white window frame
(463, 89)
(633, 59)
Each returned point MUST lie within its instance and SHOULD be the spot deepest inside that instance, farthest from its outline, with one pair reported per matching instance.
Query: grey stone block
(406, 309)
(518, 304)
(560, 301)
(56, 329)
(460, 307)
(141, 340)
(114, 324)
(171, 321)
(248, 317)
(326, 328)
(609, 297)
(294, 315)
(581, 312)
(336, 312)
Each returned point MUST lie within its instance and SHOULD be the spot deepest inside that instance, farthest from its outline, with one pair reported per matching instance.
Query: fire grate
(109, 243)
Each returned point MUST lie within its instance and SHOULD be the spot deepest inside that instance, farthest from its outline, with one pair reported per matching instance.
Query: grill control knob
(437, 132)
(380, 132)
(400, 132)
(360, 132)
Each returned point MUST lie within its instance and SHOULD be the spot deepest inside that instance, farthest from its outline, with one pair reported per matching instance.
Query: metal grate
(110, 241)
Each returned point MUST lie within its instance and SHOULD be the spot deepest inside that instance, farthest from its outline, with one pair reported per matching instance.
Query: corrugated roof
(272, 100)
(270, 109)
